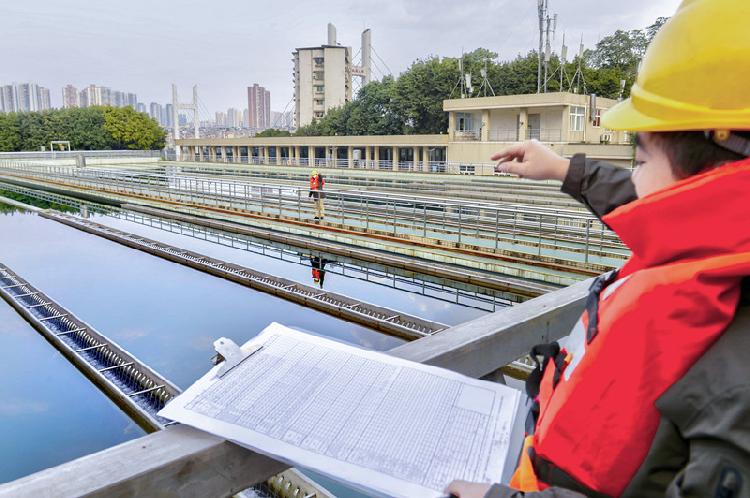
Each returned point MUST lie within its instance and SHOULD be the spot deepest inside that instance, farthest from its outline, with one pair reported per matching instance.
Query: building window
(464, 121)
(318, 60)
(597, 118)
(319, 88)
(577, 118)
(317, 75)
(467, 169)
(319, 101)
(318, 114)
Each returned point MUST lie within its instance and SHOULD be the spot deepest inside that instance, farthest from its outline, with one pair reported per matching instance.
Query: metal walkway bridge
(546, 236)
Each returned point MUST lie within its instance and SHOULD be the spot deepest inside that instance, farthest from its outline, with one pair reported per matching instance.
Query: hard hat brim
(624, 116)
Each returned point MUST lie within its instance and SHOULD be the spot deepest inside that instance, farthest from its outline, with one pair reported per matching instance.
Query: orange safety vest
(594, 416)
(316, 182)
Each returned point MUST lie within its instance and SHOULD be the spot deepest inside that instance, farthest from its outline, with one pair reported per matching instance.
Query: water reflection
(47, 405)
(166, 314)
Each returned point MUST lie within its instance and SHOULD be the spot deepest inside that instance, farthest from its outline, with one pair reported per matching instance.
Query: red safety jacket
(594, 417)
(316, 182)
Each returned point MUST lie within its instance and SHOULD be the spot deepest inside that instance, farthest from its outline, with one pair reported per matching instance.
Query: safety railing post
(459, 224)
(497, 229)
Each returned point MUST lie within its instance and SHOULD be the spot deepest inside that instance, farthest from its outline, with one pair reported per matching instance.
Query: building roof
(524, 100)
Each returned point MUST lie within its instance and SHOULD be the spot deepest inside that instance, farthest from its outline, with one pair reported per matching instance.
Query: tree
(273, 132)
(132, 130)
(10, 133)
(93, 128)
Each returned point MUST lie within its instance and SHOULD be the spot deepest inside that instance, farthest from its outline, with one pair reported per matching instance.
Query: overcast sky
(223, 46)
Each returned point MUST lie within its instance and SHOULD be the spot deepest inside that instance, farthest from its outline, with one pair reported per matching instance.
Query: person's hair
(691, 152)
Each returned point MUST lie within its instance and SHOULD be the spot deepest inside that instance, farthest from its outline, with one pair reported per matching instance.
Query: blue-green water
(47, 405)
(166, 314)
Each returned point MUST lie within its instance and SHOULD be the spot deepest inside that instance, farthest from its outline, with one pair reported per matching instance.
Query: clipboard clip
(231, 354)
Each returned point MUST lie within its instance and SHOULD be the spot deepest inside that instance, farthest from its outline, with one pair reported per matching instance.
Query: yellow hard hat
(695, 74)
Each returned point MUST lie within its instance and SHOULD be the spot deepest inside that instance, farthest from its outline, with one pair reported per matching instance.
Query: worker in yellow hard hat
(317, 194)
(649, 395)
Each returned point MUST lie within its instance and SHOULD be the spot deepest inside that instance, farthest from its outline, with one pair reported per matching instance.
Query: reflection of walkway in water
(445, 290)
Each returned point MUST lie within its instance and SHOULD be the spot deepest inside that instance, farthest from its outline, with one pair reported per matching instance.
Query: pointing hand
(533, 160)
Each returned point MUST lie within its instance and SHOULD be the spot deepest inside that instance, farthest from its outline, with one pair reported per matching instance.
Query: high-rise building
(91, 96)
(8, 98)
(259, 107)
(43, 99)
(140, 107)
(27, 97)
(132, 100)
(234, 117)
(119, 99)
(70, 97)
(221, 119)
(169, 119)
(322, 79)
(155, 111)
(245, 118)
(106, 95)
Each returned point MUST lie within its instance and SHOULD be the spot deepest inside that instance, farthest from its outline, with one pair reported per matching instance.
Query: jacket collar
(699, 217)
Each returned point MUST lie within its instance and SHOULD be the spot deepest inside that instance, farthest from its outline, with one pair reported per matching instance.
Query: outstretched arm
(600, 186)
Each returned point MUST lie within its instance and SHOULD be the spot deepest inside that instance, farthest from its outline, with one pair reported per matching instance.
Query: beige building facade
(322, 81)
(478, 128)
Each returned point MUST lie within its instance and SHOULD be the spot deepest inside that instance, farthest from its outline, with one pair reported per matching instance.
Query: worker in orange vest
(649, 395)
(317, 194)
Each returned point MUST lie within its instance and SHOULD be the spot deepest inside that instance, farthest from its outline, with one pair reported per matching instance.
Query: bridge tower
(176, 106)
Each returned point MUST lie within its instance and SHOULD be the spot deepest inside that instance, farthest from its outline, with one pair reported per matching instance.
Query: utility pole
(551, 26)
(563, 56)
(541, 7)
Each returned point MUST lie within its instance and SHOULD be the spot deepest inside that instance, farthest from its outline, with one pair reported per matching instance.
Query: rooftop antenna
(578, 76)
(541, 9)
(464, 80)
(485, 81)
(551, 23)
(563, 58)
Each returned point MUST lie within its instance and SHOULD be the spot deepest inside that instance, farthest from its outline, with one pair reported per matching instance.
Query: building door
(535, 128)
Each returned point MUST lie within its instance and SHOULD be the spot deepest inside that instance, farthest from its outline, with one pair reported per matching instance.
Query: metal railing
(181, 458)
(515, 134)
(103, 154)
(545, 234)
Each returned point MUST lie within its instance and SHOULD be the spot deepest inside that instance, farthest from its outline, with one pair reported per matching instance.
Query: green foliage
(413, 102)
(132, 130)
(92, 128)
(273, 132)
(10, 136)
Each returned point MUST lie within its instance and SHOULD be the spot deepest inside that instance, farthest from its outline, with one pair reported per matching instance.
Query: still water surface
(47, 406)
(167, 314)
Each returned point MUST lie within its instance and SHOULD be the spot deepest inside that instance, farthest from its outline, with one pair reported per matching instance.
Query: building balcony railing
(467, 135)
